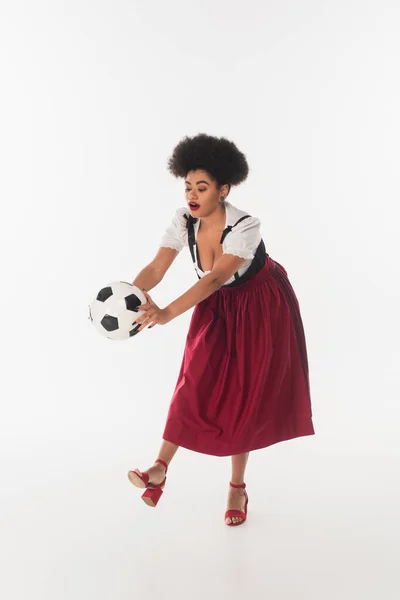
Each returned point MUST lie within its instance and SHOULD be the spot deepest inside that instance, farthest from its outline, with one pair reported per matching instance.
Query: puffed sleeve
(175, 235)
(244, 238)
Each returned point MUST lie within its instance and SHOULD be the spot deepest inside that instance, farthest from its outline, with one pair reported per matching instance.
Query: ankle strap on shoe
(243, 485)
(159, 460)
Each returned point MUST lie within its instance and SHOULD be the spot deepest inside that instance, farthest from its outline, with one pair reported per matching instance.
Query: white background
(94, 97)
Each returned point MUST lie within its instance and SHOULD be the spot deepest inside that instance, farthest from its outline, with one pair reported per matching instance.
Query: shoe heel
(152, 496)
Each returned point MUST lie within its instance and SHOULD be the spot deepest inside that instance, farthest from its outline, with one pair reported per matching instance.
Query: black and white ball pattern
(115, 308)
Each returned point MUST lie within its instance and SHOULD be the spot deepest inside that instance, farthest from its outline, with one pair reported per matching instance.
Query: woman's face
(202, 190)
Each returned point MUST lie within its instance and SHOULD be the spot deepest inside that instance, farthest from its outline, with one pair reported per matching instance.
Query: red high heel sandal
(233, 512)
(153, 491)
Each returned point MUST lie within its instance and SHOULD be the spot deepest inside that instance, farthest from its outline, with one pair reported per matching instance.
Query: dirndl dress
(243, 382)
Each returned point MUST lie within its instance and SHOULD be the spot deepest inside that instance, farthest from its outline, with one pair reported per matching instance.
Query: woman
(243, 382)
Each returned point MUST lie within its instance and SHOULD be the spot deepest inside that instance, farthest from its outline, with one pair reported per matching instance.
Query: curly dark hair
(218, 156)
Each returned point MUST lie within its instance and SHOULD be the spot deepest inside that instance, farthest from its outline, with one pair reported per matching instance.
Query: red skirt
(243, 382)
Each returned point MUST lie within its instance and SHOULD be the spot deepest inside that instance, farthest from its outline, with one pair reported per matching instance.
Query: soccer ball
(115, 308)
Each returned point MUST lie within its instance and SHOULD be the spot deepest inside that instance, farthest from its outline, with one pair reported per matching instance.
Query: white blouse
(242, 241)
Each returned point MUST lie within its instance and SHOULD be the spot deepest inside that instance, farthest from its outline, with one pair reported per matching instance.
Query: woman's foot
(156, 474)
(236, 500)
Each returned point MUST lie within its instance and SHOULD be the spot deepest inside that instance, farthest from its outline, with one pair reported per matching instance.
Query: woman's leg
(166, 453)
(239, 462)
(236, 497)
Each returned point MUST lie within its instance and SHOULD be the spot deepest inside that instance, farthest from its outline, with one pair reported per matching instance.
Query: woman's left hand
(153, 314)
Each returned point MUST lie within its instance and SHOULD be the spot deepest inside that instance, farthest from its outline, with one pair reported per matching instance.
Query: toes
(230, 520)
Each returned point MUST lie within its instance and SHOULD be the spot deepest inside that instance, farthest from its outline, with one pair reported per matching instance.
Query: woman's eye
(199, 190)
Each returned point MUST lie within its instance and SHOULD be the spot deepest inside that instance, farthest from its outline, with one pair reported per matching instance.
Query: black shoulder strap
(189, 225)
(191, 237)
(230, 227)
(227, 230)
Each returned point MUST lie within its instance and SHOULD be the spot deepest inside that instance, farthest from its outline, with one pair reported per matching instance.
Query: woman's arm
(154, 272)
(223, 270)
